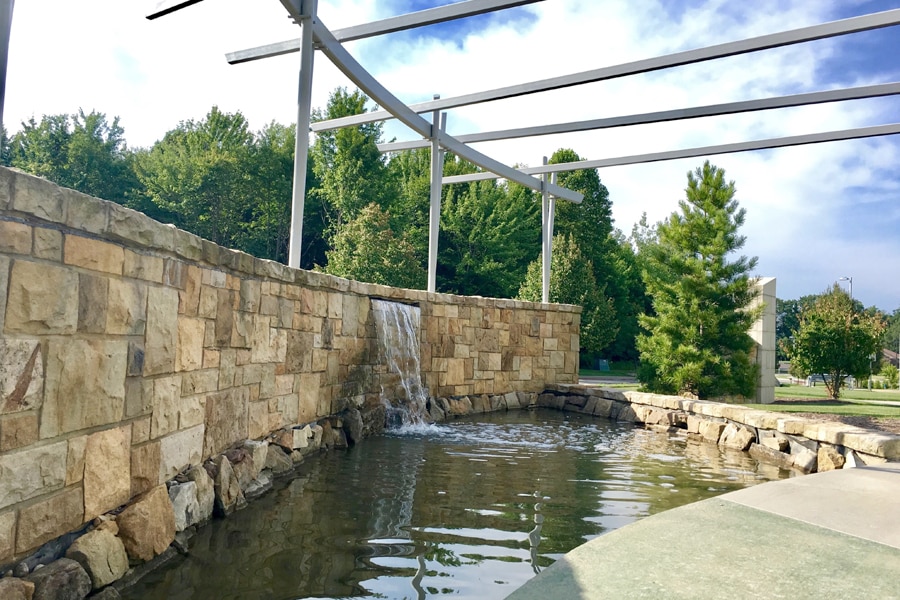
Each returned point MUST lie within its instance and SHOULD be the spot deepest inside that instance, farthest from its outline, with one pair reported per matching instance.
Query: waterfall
(402, 392)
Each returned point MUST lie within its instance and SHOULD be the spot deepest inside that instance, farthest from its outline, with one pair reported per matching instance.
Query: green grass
(854, 409)
(611, 373)
(787, 392)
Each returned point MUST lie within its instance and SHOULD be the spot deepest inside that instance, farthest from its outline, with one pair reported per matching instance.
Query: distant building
(889, 356)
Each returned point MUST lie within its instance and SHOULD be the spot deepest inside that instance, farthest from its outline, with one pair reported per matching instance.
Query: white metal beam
(429, 16)
(782, 142)
(344, 61)
(301, 141)
(774, 40)
(868, 91)
(438, 125)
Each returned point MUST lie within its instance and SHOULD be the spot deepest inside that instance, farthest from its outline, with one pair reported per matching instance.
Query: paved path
(829, 535)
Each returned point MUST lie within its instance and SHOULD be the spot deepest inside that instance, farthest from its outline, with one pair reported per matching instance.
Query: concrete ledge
(735, 546)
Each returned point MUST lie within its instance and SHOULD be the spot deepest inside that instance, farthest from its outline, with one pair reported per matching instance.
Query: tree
(697, 341)
(367, 249)
(590, 223)
(351, 170)
(787, 321)
(81, 151)
(197, 176)
(891, 337)
(572, 282)
(487, 238)
(836, 340)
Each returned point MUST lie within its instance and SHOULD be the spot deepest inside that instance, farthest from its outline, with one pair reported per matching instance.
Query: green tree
(367, 249)
(572, 282)
(697, 342)
(196, 176)
(590, 223)
(82, 151)
(351, 170)
(890, 374)
(787, 321)
(891, 337)
(835, 339)
(487, 238)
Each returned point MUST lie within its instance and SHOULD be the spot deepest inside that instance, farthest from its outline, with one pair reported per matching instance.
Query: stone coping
(30, 198)
(882, 445)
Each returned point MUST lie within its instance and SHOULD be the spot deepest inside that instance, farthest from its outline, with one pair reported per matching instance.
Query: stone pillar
(763, 333)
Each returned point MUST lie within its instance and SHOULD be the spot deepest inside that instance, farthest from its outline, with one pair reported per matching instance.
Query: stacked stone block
(131, 350)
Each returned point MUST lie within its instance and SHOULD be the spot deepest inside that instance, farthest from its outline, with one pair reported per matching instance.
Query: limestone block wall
(130, 349)
(789, 441)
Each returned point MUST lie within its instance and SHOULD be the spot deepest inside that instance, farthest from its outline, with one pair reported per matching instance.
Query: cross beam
(430, 16)
(765, 42)
(342, 59)
(782, 142)
(867, 91)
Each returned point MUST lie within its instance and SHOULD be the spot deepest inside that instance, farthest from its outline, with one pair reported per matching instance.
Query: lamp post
(849, 279)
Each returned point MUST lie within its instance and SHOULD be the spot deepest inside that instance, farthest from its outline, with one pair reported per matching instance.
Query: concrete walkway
(830, 535)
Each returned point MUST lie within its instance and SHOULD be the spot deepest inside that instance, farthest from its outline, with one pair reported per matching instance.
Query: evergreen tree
(697, 341)
(590, 224)
(572, 282)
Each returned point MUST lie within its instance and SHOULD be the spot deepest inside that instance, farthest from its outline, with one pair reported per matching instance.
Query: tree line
(672, 295)
(366, 213)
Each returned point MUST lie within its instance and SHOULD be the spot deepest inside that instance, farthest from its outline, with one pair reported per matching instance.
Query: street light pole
(849, 279)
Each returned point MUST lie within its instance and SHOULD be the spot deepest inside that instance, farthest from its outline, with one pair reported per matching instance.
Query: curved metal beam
(368, 84)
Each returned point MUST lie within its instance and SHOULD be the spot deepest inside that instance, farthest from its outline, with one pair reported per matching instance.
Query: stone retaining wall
(130, 350)
(118, 548)
(778, 438)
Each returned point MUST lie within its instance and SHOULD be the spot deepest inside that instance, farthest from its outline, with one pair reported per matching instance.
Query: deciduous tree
(836, 340)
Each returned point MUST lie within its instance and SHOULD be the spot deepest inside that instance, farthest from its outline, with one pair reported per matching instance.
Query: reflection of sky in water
(469, 509)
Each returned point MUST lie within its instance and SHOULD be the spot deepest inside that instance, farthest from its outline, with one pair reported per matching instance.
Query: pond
(468, 509)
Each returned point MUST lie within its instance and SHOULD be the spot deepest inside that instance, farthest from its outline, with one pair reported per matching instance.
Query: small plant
(890, 374)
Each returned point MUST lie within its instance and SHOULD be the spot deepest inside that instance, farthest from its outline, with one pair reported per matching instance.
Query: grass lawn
(788, 392)
(841, 408)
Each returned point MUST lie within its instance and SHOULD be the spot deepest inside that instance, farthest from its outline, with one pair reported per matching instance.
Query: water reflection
(471, 509)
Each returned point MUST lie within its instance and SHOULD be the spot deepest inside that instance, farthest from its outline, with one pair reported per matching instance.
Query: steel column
(545, 241)
(301, 142)
(438, 124)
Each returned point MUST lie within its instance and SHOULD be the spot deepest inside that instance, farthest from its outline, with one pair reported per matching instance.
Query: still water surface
(469, 509)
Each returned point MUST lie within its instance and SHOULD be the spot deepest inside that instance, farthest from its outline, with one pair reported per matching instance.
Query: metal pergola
(316, 36)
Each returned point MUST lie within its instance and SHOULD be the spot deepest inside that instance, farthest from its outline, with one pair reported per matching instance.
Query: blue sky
(814, 213)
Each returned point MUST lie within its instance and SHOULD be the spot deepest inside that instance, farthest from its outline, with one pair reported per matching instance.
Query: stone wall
(130, 350)
(791, 442)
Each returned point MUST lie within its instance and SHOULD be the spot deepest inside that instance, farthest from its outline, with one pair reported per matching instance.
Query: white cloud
(807, 207)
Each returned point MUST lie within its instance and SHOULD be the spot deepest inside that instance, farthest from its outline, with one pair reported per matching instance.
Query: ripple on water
(472, 509)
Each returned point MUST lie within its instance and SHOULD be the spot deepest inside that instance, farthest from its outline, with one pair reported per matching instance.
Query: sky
(814, 214)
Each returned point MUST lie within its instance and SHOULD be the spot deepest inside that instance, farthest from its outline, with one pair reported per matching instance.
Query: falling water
(398, 338)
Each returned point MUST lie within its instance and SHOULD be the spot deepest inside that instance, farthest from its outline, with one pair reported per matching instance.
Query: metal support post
(438, 123)
(545, 241)
(301, 144)
(6, 11)
(551, 216)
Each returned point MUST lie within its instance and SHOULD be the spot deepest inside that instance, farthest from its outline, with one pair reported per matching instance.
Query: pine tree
(697, 341)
